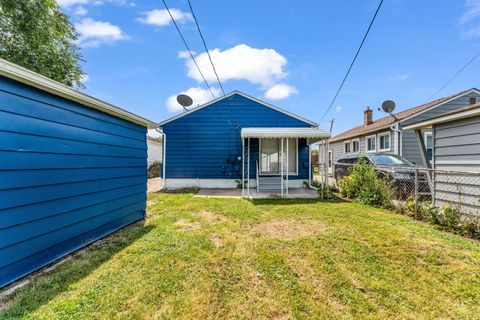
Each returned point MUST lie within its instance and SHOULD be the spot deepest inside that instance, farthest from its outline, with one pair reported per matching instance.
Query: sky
(293, 54)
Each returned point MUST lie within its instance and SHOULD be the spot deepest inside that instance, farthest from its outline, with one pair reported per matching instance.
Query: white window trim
(347, 142)
(425, 134)
(260, 158)
(351, 146)
(366, 143)
(389, 141)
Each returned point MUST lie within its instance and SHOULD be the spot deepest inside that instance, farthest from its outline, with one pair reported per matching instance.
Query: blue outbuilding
(72, 170)
(239, 140)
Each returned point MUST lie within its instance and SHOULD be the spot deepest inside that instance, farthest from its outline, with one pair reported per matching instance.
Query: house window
(429, 145)
(384, 141)
(371, 144)
(330, 158)
(347, 147)
(473, 100)
(270, 158)
(355, 145)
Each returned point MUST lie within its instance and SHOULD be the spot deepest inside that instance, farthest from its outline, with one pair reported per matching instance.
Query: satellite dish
(388, 106)
(184, 100)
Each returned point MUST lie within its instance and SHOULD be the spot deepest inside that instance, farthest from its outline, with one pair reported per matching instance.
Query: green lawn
(198, 258)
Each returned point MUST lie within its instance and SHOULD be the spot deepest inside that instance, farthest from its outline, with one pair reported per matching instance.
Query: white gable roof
(266, 104)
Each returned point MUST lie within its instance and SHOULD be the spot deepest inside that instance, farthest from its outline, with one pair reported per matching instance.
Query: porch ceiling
(312, 133)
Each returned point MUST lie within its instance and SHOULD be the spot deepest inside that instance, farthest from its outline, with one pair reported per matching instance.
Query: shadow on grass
(298, 201)
(45, 287)
(180, 191)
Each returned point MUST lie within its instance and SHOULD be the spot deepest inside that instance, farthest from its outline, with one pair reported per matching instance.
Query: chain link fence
(421, 186)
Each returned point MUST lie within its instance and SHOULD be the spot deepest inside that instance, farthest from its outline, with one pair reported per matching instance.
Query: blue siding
(69, 175)
(206, 144)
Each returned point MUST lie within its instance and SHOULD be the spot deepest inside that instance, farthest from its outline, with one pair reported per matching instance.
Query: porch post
(243, 167)
(287, 168)
(325, 163)
(309, 165)
(281, 166)
(248, 167)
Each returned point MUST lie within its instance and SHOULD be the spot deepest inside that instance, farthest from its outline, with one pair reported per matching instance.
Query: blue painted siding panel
(206, 144)
(69, 175)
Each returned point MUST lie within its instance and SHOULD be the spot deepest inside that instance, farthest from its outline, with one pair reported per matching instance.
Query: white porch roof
(312, 133)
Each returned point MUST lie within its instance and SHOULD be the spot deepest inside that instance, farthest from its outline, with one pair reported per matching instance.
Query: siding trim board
(69, 174)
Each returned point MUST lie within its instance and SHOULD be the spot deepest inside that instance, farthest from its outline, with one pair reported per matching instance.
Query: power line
(354, 59)
(206, 48)
(188, 49)
(211, 60)
(455, 75)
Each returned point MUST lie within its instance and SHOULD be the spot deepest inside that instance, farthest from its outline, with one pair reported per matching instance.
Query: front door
(270, 156)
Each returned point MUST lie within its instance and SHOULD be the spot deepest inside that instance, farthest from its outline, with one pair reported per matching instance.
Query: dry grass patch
(186, 225)
(216, 240)
(289, 229)
(210, 216)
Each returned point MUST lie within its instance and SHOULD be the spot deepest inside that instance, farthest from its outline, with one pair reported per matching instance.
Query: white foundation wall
(173, 184)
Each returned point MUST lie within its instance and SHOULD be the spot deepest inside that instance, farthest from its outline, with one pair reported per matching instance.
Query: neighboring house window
(346, 147)
(356, 145)
(429, 145)
(384, 141)
(330, 158)
(371, 144)
(270, 159)
(473, 100)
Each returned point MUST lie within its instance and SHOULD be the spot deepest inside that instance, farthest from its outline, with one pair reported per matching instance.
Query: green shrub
(154, 170)
(363, 185)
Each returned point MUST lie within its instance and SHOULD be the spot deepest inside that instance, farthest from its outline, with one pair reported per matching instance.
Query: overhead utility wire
(206, 48)
(455, 75)
(188, 49)
(353, 61)
(211, 61)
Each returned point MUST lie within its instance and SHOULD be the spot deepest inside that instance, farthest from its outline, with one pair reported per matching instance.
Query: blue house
(72, 170)
(238, 140)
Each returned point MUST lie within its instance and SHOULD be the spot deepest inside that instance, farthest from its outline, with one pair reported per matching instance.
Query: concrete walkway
(298, 193)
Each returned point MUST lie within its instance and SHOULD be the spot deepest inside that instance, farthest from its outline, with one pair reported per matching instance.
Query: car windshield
(389, 160)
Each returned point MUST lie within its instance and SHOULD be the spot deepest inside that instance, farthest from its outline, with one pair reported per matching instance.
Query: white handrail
(256, 171)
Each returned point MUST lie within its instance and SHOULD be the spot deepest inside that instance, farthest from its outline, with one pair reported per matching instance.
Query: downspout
(164, 157)
(399, 146)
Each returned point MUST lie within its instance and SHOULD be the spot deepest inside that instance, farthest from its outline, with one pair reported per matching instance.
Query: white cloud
(338, 108)
(472, 11)
(400, 77)
(198, 95)
(185, 54)
(80, 11)
(258, 66)
(280, 91)
(69, 3)
(472, 32)
(85, 78)
(94, 33)
(160, 17)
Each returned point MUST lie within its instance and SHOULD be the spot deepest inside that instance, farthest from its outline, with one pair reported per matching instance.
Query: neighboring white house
(154, 149)
(456, 157)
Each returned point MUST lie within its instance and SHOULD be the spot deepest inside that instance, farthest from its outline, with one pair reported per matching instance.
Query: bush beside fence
(450, 199)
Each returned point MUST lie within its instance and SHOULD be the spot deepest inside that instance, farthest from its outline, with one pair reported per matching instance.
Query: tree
(36, 35)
